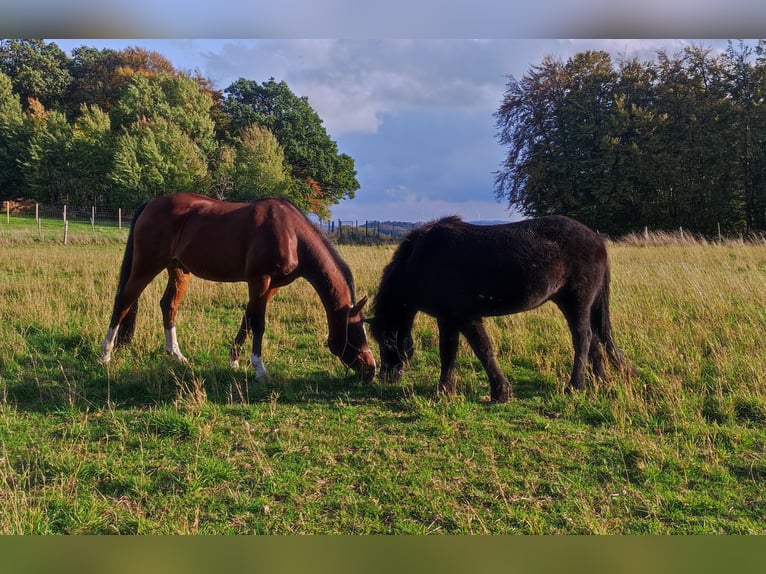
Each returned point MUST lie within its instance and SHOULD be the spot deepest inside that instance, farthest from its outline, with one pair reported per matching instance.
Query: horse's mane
(332, 250)
(404, 253)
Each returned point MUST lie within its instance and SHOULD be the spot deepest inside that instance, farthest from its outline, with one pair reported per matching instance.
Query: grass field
(147, 445)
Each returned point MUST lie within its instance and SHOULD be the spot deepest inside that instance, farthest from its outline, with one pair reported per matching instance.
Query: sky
(408, 91)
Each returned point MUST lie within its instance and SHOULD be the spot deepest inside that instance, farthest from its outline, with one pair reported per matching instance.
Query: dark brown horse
(267, 243)
(459, 273)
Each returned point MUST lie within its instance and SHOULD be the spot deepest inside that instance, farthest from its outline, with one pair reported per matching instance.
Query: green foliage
(176, 99)
(11, 146)
(45, 165)
(152, 158)
(92, 152)
(37, 69)
(675, 142)
(258, 166)
(322, 175)
(116, 128)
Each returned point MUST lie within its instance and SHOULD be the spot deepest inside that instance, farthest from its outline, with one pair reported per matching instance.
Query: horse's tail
(602, 325)
(128, 324)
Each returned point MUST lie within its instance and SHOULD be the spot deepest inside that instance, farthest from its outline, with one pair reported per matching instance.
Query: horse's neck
(322, 270)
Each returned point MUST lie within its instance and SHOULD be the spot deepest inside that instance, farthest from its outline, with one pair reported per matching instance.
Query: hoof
(261, 374)
(177, 355)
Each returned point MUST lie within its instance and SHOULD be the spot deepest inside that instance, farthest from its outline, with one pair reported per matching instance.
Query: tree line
(678, 141)
(115, 128)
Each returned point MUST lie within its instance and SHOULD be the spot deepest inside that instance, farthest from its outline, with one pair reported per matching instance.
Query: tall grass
(147, 445)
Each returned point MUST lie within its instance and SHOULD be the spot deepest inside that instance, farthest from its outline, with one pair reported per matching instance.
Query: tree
(322, 176)
(154, 158)
(259, 169)
(92, 152)
(11, 140)
(678, 142)
(557, 123)
(635, 124)
(36, 69)
(695, 170)
(101, 76)
(177, 99)
(747, 90)
(46, 164)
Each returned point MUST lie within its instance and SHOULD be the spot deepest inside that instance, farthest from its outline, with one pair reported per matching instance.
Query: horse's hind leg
(178, 282)
(579, 325)
(500, 388)
(596, 356)
(449, 336)
(239, 340)
(124, 313)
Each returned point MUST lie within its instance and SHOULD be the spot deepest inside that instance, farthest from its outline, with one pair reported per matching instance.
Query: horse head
(396, 347)
(351, 345)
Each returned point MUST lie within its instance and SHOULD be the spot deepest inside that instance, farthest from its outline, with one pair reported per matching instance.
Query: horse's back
(499, 269)
(220, 240)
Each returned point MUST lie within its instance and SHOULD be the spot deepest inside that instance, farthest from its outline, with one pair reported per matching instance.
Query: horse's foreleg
(449, 336)
(500, 388)
(178, 281)
(239, 340)
(261, 293)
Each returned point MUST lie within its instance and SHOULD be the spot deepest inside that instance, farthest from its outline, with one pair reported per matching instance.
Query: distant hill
(397, 228)
(490, 221)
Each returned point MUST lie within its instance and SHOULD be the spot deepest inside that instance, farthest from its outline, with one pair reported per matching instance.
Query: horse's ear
(358, 307)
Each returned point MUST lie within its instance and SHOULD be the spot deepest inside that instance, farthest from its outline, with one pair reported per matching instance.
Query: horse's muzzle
(390, 373)
(364, 366)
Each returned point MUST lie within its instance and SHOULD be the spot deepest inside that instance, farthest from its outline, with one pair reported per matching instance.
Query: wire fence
(367, 232)
(28, 220)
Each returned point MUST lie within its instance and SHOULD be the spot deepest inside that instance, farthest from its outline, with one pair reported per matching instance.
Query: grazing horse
(267, 243)
(459, 273)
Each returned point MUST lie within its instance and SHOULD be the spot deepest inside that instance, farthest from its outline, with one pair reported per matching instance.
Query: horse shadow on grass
(64, 372)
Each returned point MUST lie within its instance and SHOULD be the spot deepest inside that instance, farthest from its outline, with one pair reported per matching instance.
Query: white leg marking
(171, 345)
(260, 370)
(234, 364)
(108, 344)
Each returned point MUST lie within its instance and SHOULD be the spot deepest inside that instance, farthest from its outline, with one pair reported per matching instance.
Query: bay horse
(460, 273)
(267, 243)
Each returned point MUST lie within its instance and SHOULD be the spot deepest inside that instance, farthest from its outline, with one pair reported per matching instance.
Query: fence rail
(367, 232)
(27, 220)
(52, 222)
(92, 214)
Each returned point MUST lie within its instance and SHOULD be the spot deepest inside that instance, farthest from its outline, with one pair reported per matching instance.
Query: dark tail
(128, 325)
(601, 324)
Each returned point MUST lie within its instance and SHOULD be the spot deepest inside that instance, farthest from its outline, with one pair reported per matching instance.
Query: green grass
(24, 230)
(147, 445)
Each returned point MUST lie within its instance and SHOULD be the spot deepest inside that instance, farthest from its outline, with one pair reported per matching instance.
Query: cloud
(354, 84)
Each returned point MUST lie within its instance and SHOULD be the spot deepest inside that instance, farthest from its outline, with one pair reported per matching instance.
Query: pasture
(149, 445)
